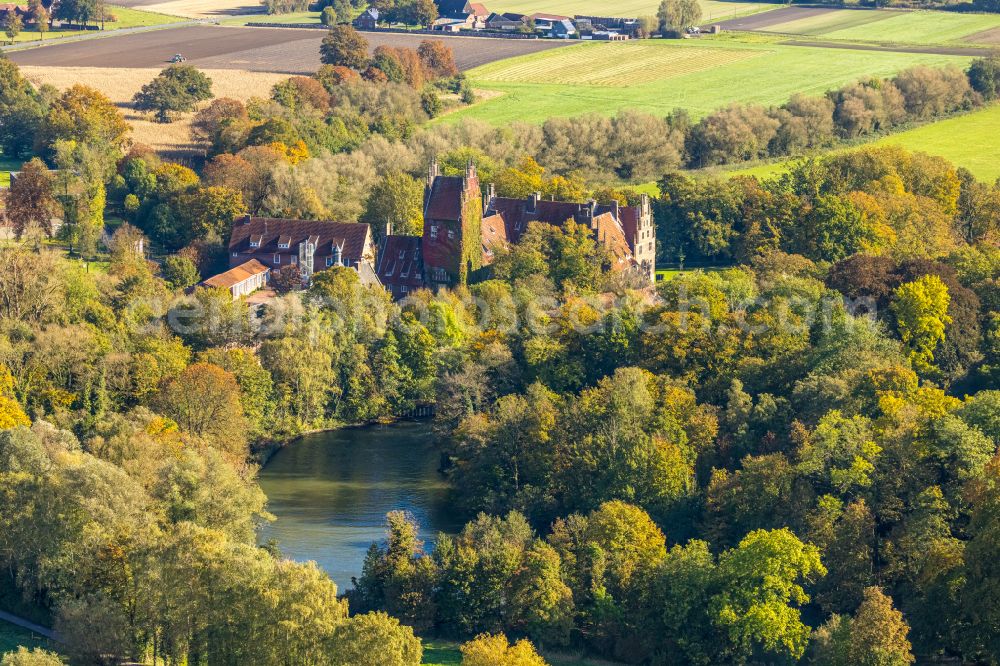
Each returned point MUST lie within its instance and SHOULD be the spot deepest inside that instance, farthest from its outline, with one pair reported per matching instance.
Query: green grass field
(893, 27)
(971, 141)
(125, 18)
(294, 17)
(658, 76)
(6, 166)
(711, 9)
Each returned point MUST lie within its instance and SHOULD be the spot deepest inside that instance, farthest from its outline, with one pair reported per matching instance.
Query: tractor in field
(178, 58)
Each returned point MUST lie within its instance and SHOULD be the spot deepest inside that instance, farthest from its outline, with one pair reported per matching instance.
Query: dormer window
(283, 246)
(329, 262)
(254, 243)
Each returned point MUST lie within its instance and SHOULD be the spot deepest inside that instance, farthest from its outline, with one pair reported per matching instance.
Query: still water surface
(330, 492)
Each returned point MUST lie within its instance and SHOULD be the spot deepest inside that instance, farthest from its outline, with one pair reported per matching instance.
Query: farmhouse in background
(508, 21)
(308, 244)
(367, 20)
(456, 15)
(21, 10)
(605, 24)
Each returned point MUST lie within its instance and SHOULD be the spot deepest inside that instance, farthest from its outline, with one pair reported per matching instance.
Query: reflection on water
(330, 492)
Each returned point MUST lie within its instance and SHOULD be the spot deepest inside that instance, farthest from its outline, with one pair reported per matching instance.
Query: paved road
(30, 626)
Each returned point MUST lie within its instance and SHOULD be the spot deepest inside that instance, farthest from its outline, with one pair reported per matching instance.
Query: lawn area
(971, 141)
(6, 166)
(12, 636)
(125, 18)
(293, 17)
(711, 9)
(134, 18)
(658, 76)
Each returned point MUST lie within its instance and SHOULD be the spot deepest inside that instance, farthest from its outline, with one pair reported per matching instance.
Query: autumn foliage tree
(204, 400)
(29, 202)
(344, 46)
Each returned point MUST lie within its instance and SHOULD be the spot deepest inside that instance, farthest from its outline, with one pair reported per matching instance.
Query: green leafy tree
(921, 310)
(761, 591)
(12, 25)
(180, 271)
(875, 636)
(374, 639)
(176, 89)
(676, 15)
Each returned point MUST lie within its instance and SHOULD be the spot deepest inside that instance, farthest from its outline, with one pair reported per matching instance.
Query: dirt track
(284, 50)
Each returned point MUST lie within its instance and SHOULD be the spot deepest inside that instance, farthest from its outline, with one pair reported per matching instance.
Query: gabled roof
(509, 17)
(350, 236)
(609, 233)
(477, 9)
(494, 235)
(371, 11)
(452, 8)
(236, 275)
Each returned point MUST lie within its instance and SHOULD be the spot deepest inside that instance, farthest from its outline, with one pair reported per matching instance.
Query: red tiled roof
(234, 276)
(609, 233)
(547, 17)
(267, 230)
(444, 200)
(478, 9)
(494, 235)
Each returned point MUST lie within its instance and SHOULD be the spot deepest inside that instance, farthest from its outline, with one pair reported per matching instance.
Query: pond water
(330, 492)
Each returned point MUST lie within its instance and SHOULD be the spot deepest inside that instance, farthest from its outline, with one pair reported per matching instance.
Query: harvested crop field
(883, 26)
(283, 50)
(765, 20)
(121, 84)
(196, 8)
(616, 64)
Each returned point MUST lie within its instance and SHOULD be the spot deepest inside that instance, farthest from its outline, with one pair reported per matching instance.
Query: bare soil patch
(765, 20)
(120, 85)
(991, 36)
(284, 50)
